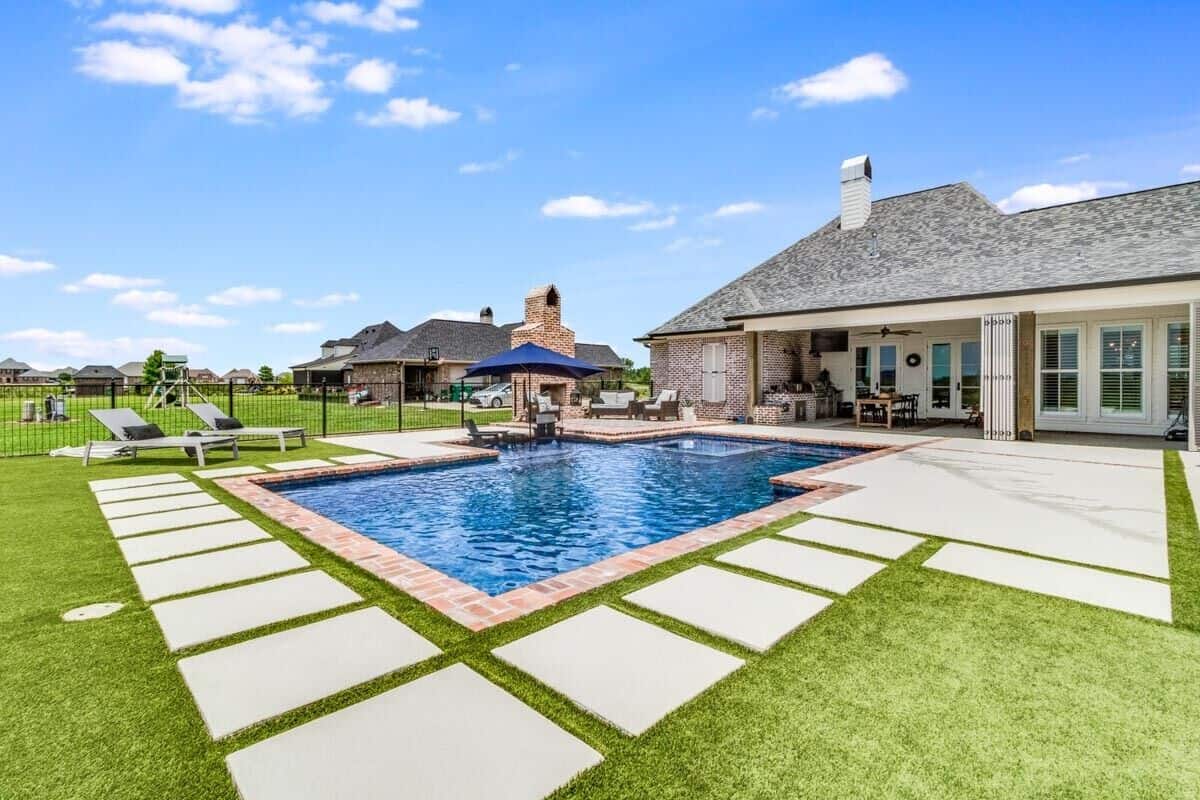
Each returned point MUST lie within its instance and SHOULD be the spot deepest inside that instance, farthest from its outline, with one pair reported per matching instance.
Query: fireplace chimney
(856, 192)
(486, 316)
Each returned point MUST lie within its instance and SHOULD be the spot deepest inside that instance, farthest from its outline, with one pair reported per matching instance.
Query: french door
(954, 377)
(875, 369)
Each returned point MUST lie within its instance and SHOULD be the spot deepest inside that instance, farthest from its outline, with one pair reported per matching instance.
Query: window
(1060, 371)
(1179, 339)
(1121, 349)
(713, 375)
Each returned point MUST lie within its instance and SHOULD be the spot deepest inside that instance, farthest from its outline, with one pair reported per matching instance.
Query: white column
(1193, 401)
(998, 352)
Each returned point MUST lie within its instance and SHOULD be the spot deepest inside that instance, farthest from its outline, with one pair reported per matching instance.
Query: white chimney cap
(857, 167)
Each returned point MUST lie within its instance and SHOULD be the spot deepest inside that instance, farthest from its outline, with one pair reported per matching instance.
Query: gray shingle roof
(12, 363)
(950, 242)
(598, 355)
(455, 340)
(98, 371)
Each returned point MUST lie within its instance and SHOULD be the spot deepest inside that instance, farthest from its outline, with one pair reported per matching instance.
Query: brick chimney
(543, 326)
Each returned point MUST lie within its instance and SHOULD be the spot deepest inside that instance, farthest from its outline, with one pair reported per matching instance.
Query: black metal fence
(38, 418)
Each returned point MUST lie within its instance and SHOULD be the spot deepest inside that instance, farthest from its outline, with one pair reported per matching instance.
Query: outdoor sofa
(663, 406)
(615, 404)
(134, 434)
(220, 422)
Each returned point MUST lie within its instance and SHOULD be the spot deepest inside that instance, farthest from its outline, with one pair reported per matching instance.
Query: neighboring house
(240, 377)
(602, 355)
(11, 369)
(203, 376)
(330, 367)
(132, 371)
(42, 376)
(95, 380)
(1076, 317)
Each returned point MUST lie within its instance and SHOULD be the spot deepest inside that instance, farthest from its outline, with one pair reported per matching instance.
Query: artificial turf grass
(894, 690)
(1183, 544)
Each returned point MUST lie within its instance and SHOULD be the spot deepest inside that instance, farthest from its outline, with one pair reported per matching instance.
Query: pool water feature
(536, 512)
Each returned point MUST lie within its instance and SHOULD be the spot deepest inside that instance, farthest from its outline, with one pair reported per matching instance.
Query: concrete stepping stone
(832, 572)
(450, 735)
(140, 480)
(227, 472)
(140, 492)
(873, 541)
(190, 573)
(152, 505)
(751, 612)
(205, 617)
(364, 458)
(304, 463)
(1095, 587)
(155, 546)
(619, 668)
(249, 682)
(166, 520)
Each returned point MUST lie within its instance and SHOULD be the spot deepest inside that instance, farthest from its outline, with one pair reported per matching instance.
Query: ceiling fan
(885, 332)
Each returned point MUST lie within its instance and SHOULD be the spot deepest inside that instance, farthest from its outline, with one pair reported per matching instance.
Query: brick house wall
(786, 358)
(676, 364)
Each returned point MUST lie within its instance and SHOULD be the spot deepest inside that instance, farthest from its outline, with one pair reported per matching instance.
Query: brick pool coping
(478, 610)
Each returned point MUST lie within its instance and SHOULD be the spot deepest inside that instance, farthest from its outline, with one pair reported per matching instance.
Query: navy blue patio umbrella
(530, 358)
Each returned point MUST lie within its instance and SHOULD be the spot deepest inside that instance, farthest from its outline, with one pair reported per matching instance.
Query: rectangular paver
(153, 505)
(1092, 586)
(205, 617)
(140, 480)
(304, 463)
(251, 681)
(140, 492)
(155, 546)
(191, 573)
(166, 520)
(227, 472)
(362, 458)
(621, 669)
(751, 612)
(451, 735)
(873, 541)
(832, 572)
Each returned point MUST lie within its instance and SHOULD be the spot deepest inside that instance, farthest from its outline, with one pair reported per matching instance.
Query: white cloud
(144, 300)
(458, 316)
(512, 66)
(584, 206)
(764, 114)
(1052, 194)
(1077, 158)
(248, 71)
(373, 76)
(123, 62)
(414, 113)
(196, 6)
(11, 265)
(476, 167)
(861, 78)
(738, 209)
(383, 18)
(654, 224)
(330, 300)
(484, 114)
(690, 243)
(74, 345)
(188, 317)
(1190, 169)
(105, 281)
(244, 296)
(296, 327)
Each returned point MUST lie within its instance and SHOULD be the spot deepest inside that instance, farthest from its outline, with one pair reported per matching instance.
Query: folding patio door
(954, 375)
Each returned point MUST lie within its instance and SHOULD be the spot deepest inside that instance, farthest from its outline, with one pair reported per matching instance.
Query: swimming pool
(538, 512)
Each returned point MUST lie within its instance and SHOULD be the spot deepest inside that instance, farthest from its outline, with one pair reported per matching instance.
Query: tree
(266, 374)
(152, 368)
(64, 378)
(284, 378)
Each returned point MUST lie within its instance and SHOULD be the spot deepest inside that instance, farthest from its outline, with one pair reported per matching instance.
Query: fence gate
(999, 355)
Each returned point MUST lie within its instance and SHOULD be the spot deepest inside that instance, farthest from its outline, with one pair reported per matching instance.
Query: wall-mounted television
(830, 341)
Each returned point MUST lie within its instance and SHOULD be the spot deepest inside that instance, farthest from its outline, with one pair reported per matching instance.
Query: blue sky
(241, 179)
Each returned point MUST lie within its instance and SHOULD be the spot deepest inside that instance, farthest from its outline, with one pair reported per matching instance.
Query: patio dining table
(885, 403)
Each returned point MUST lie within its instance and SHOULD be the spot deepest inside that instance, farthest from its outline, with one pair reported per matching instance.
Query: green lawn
(919, 684)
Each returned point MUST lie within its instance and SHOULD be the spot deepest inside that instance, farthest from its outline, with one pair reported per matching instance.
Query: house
(1077, 317)
(240, 377)
(11, 369)
(405, 356)
(132, 372)
(94, 380)
(43, 376)
(330, 367)
(203, 376)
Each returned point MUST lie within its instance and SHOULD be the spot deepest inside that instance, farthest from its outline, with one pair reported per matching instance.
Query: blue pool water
(538, 512)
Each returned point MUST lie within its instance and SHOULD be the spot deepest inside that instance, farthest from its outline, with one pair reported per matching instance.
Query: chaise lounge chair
(663, 406)
(481, 437)
(134, 434)
(220, 422)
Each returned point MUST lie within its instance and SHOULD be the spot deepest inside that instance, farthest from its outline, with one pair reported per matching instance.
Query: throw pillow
(139, 433)
(227, 424)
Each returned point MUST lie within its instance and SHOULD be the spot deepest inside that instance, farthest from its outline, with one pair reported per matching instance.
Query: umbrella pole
(528, 416)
